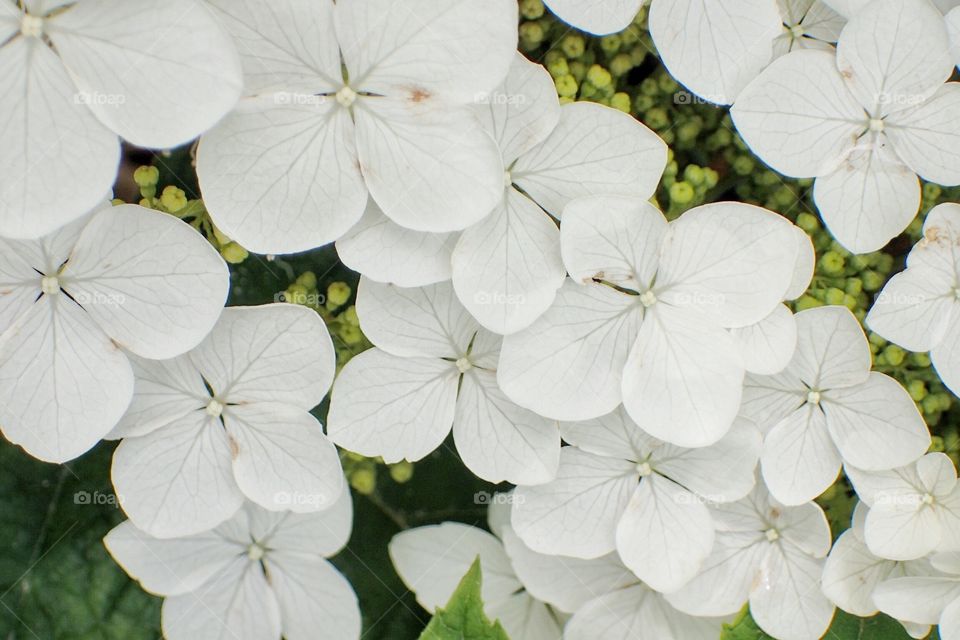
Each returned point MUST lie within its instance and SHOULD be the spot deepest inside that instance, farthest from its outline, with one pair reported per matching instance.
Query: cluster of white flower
(667, 420)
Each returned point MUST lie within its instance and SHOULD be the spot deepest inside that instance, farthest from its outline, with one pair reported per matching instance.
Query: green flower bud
(930, 405)
(350, 316)
(694, 175)
(832, 263)
(307, 279)
(682, 193)
(611, 44)
(350, 334)
(937, 445)
(621, 65)
(921, 360)
(834, 296)
(531, 9)
(567, 86)
(531, 34)
(854, 286)
(931, 191)
(743, 165)
(233, 253)
(296, 294)
(621, 101)
(599, 77)
(146, 176)
(894, 355)
(573, 46)
(173, 199)
(401, 472)
(364, 481)
(872, 281)
(649, 87)
(657, 118)
(917, 390)
(558, 67)
(338, 293)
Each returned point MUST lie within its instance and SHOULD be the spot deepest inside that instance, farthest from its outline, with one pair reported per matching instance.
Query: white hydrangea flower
(229, 420)
(599, 17)
(715, 47)
(807, 24)
(432, 560)
(768, 554)
(849, 8)
(914, 510)
(919, 308)
(852, 573)
(862, 127)
(618, 489)
(506, 269)
(75, 303)
(434, 367)
(605, 597)
(260, 575)
(355, 97)
(644, 318)
(76, 75)
(827, 407)
(926, 600)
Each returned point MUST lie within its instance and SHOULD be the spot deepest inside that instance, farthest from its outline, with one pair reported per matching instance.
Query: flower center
(50, 285)
(796, 32)
(346, 97)
(648, 298)
(214, 409)
(644, 469)
(876, 125)
(927, 499)
(31, 26)
(772, 534)
(255, 552)
(464, 364)
(507, 179)
(813, 397)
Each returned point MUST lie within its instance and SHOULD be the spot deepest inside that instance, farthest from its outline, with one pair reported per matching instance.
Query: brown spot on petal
(418, 95)
(234, 447)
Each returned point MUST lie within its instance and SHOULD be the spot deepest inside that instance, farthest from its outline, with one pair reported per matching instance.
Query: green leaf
(463, 618)
(844, 627)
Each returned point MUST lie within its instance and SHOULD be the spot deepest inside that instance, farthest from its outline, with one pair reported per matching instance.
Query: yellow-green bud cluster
(363, 473)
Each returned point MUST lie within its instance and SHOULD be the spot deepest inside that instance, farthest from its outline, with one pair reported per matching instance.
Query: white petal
(64, 384)
(280, 174)
(822, 23)
(614, 435)
(832, 350)
(525, 617)
(876, 425)
(953, 30)
(432, 560)
(893, 54)
(926, 137)
(731, 260)
(568, 364)
(321, 532)
(173, 566)
(806, 263)
(58, 161)
(270, 353)
(847, 8)
(614, 239)
(281, 458)
(727, 575)
(507, 267)
(852, 573)
(798, 115)
(385, 252)
(914, 307)
(165, 391)
(800, 460)
(787, 602)
(563, 582)
(684, 378)
(917, 599)
(768, 345)
(868, 200)
(599, 17)
(288, 45)
(593, 150)
(883, 487)
(769, 399)
(425, 321)
(109, 48)
(150, 281)
(177, 481)
(946, 356)
(522, 111)
(902, 528)
(397, 408)
(577, 513)
(456, 49)
(937, 473)
(312, 595)
(723, 472)
(637, 612)
(950, 621)
(499, 441)
(430, 168)
(715, 48)
(665, 534)
(805, 526)
(238, 603)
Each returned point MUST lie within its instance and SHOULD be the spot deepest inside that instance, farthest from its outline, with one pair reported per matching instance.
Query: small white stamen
(813, 397)
(31, 26)
(255, 552)
(876, 125)
(956, 293)
(927, 499)
(507, 179)
(214, 409)
(772, 535)
(50, 285)
(464, 364)
(644, 469)
(346, 97)
(648, 298)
